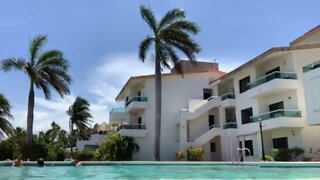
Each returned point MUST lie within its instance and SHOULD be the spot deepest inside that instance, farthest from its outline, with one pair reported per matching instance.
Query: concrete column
(222, 115)
(183, 130)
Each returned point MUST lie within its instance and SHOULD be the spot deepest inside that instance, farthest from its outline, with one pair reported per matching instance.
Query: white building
(221, 112)
(95, 139)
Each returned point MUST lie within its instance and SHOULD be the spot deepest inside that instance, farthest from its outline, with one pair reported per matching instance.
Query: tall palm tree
(45, 70)
(170, 35)
(5, 116)
(79, 116)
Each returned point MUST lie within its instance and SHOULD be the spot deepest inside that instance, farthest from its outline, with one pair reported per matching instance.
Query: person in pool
(17, 162)
(76, 163)
(40, 162)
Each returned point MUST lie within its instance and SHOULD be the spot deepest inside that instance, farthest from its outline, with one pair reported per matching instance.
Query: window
(245, 115)
(140, 122)
(207, 93)
(211, 121)
(243, 84)
(248, 144)
(276, 106)
(213, 147)
(277, 69)
(280, 143)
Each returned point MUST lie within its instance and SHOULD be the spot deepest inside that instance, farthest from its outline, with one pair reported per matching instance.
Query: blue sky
(101, 38)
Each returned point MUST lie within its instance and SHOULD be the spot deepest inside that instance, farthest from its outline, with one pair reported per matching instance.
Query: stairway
(202, 108)
(205, 135)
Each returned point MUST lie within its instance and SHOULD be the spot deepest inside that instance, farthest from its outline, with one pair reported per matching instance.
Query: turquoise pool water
(157, 172)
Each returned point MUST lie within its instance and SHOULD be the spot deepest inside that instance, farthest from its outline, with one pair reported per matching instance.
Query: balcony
(230, 125)
(311, 66)
(280, 118)
(117, 114)
(136, 104)
(276, 82)
(276, 114)
(228, 100)
(133, 130)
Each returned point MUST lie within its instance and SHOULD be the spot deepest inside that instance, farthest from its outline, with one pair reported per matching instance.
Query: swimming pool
(159, 171)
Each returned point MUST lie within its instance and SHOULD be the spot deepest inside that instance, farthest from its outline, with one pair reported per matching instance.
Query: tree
(79, 116)
(116, 148)
(45, 70)
(5, 115)
(170, 35)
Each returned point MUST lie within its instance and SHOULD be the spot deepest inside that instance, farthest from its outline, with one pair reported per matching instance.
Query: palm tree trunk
(71, 136)
(30, 114)
(157, 131)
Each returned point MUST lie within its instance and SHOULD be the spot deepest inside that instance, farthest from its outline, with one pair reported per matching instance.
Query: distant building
(95, 139)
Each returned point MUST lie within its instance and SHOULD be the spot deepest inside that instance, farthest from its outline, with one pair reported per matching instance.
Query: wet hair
(40, 162)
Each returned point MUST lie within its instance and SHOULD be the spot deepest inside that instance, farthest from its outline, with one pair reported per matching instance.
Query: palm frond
(170, 17)
(144, 47)
(35, 46)
(5, 115)
(52, 57)
(13, 64)
(148, 16)
(186, 26)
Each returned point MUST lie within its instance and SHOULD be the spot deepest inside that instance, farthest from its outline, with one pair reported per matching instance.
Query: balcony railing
(230, 125)
(311, 66)
(118, 109)
(228, 96)
(137, 99)
(132, 126)
(276, 114)
(272, 76)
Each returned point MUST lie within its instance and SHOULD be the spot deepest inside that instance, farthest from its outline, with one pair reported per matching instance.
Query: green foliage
(33, 151)
(195, 153)
(7, 149)
(5, 117)
(116, 148)
(293, 154)
(268, 158)
(85, 155)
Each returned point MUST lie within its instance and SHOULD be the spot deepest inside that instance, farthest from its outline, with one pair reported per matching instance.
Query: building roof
(103, 127)
(306, 35)
(266, 54)
(214, 70)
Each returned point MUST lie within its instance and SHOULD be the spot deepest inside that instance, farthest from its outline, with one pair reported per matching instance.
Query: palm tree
(80, 117)
(170, 35)
(45, 70)
(5, 116)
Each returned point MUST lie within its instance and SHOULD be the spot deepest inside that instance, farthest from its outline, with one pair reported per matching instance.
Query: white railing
(203, 132)
(203, 103)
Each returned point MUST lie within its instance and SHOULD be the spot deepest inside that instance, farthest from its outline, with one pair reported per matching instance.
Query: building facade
(223, 112)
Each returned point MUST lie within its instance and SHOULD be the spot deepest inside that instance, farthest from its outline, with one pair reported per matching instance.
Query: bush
(296, 153)
(33, 151)
(292, 154)
(116, 148)
(195, 153)
(268, 158)
(85, 155)
(56, 154)
(7, 149)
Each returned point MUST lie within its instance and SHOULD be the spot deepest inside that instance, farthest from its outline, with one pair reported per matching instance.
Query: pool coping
(104, 163)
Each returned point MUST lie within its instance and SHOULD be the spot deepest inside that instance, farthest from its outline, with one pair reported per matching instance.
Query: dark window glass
(243, 84)
(211, 121)
(139, 122)
(277, 69)
(245, 115)
(207, 93)
(248, 144)
(240, 146)
(213, 147)
(280, 143)
(276, 106)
